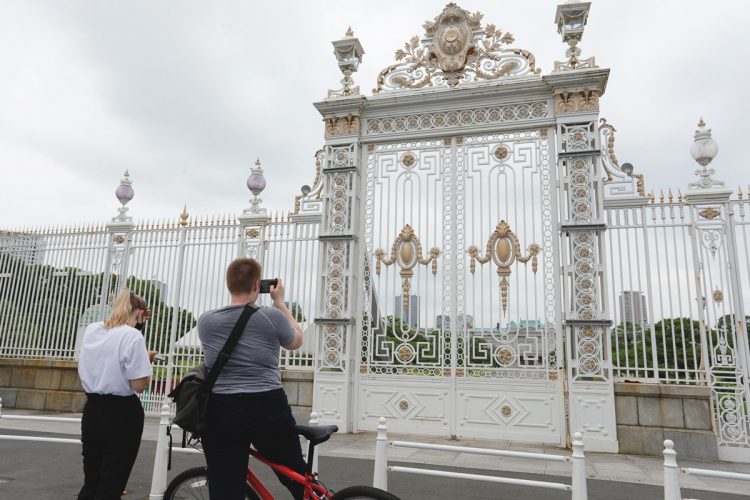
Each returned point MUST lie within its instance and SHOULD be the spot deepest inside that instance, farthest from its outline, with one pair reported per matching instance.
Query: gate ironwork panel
(401, 333)
(508, 328)
(459, 286)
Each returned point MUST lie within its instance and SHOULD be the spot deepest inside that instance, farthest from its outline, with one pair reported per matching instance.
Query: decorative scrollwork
(504, 249)
(316, 191)
(456, 49)
(618, 181)
(406, 251)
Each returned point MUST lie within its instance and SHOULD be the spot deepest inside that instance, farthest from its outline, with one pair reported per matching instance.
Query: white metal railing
(33, 418)
(672, 473)
(55, 281)
(656, 335)
(578, 488)
(660, 287)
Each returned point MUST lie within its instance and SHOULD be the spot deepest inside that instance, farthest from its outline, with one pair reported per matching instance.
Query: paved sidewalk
(602, 466)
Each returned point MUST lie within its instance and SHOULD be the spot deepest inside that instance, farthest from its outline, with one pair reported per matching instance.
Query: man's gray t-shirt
(253, 365)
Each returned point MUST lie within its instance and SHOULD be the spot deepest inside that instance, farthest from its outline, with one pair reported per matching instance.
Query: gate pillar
(340, 260)
(586, 318)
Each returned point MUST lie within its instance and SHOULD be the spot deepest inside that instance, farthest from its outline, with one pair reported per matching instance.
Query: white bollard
(380, 474)
(1, 407)
(580, 490)
(671, 473)
(161, 458)
(314, 421)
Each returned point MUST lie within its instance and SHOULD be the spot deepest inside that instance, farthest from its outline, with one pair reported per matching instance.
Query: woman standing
(113, 365)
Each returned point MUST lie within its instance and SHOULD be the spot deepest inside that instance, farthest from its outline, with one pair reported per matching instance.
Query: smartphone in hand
(265, 285)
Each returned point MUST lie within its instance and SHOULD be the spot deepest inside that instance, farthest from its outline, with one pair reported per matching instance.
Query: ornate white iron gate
(458, 331)
(442, 302)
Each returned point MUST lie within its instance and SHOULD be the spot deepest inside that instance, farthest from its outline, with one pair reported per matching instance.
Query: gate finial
(703, 151)
(348, 52)
(124, 194)
(571, 18)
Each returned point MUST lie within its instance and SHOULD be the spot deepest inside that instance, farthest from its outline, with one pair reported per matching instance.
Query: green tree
(41, 306)
(677, 343)
(296, 310)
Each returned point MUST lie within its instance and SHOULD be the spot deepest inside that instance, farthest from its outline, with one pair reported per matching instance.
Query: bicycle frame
(311, 488)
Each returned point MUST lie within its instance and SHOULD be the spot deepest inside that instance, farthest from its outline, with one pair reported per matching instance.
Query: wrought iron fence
(657, 289)
(56, 281)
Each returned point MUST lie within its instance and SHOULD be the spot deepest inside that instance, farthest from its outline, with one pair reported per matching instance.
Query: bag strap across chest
(229, 346)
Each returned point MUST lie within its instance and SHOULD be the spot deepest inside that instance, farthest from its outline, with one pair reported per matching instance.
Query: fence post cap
(381, 421)
(670, 456)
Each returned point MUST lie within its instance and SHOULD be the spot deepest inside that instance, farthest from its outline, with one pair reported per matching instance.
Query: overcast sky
(187, 94)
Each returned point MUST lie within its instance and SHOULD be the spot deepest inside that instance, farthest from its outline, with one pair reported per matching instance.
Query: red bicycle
(193, 483)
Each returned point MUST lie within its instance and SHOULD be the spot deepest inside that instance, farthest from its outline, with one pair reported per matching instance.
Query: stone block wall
(298, 386)
(647, 414)
(41, 384)
(54, 385)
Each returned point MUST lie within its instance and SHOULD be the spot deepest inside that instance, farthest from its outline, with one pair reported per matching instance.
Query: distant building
(466, 319)
(410, 317)
(24, 247)
(633, 308)
(161, 286)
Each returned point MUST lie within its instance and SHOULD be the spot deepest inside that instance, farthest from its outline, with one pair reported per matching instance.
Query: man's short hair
(242, 275)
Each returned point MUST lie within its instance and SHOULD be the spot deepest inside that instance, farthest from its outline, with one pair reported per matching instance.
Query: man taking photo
(248, 404)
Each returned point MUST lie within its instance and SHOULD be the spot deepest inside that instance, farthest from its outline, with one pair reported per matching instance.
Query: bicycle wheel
(192, 484)
(363, 493)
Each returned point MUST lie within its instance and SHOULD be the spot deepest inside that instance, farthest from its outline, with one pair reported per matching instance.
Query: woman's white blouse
(109, 359)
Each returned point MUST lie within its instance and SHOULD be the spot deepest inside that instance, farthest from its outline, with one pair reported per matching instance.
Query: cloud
(187, 95)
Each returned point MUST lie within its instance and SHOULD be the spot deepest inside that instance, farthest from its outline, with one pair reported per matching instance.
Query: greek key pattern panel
(404, 262)
(490, 115)
(508, 307)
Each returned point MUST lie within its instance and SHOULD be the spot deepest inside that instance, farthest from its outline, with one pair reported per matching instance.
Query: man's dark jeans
(235, 421)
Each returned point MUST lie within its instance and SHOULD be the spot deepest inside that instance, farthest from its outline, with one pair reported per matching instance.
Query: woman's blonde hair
(125, 303)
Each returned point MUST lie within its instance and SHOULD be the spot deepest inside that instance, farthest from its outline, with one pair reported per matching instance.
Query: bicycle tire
(193, 484)
(363, 493)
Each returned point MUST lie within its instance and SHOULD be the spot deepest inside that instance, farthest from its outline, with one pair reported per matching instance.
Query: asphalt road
(48, 471)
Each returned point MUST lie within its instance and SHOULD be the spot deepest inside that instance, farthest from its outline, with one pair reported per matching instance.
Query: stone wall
(298, 386)
(647, 414)
(40, 384)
